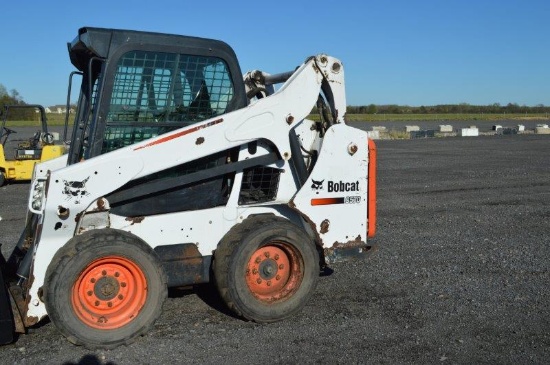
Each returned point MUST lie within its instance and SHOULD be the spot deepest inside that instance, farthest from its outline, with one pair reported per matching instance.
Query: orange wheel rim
(109, 293)
(274, 272)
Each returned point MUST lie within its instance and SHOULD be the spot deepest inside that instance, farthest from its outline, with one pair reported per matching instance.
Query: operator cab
(138, 85)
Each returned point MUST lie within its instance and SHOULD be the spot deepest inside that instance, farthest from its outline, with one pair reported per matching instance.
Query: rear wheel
(266, 268)
(104, 288)
(2, 178)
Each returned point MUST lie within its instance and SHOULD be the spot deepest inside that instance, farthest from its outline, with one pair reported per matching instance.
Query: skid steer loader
(183, 172)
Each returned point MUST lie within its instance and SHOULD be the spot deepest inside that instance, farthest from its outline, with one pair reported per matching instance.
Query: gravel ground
(460, 276)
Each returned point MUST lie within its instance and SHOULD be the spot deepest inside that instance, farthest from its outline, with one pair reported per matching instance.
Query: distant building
(59, 109)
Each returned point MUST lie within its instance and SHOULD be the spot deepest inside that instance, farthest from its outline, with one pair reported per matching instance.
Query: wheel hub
(272, 272)
(109, 293)
(106, 288)
(268, 269)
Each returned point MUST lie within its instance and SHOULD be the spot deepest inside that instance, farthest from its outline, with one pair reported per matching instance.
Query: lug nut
(92, 280)
(109, 304)
(266, 254)
(123, 285)
(104, 273)
(258, 259)
(120, 297)
(117, 274)
(269, 283)
(89, 293)
(281, 266)
(278, 277)
(259, 281)
(276, 257)
(96, 303)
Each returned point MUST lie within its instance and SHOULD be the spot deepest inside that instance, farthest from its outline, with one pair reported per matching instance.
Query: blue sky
(394, 52)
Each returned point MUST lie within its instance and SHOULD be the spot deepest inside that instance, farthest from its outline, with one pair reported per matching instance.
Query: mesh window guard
(155, 92)
(259, 184)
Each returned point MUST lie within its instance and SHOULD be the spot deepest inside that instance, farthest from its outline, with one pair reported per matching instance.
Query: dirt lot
(460, 276)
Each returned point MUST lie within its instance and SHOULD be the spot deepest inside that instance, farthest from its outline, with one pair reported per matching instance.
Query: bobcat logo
(317, 185)
(75, 189)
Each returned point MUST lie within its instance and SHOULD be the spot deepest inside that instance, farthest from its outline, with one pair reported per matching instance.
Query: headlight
(37, 196)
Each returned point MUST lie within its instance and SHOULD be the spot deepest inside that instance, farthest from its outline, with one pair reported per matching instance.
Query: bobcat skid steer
(182, 172)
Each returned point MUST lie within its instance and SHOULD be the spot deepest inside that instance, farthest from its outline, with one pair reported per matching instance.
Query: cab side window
(154, 93)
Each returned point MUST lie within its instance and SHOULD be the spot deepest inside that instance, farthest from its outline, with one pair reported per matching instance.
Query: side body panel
(334, 198)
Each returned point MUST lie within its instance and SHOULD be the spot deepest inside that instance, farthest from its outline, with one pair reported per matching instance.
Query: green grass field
(55, 119)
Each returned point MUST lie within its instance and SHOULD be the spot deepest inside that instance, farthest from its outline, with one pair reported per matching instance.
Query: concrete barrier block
(445, 128)
(469, 132)
(542, 130)
(378, 128)
(373, 134)
(411, 128)
(542, 125)
(521, 128)
(497, 127)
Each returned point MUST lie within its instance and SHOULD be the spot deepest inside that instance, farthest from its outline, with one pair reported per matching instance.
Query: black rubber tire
(78, 256)
(233, 264)
(2, 178)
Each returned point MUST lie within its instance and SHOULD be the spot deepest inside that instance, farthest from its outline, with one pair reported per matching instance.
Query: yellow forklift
(40, 147)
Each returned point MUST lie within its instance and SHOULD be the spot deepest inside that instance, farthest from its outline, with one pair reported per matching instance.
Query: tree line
(14, 98)
(462, 108)
(9, 98)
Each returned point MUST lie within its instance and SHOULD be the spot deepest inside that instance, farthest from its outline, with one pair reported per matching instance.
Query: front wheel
(104, 288)
(266, 268)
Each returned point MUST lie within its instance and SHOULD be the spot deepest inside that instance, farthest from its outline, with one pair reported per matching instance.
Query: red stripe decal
(180, 134)
(327, 201)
